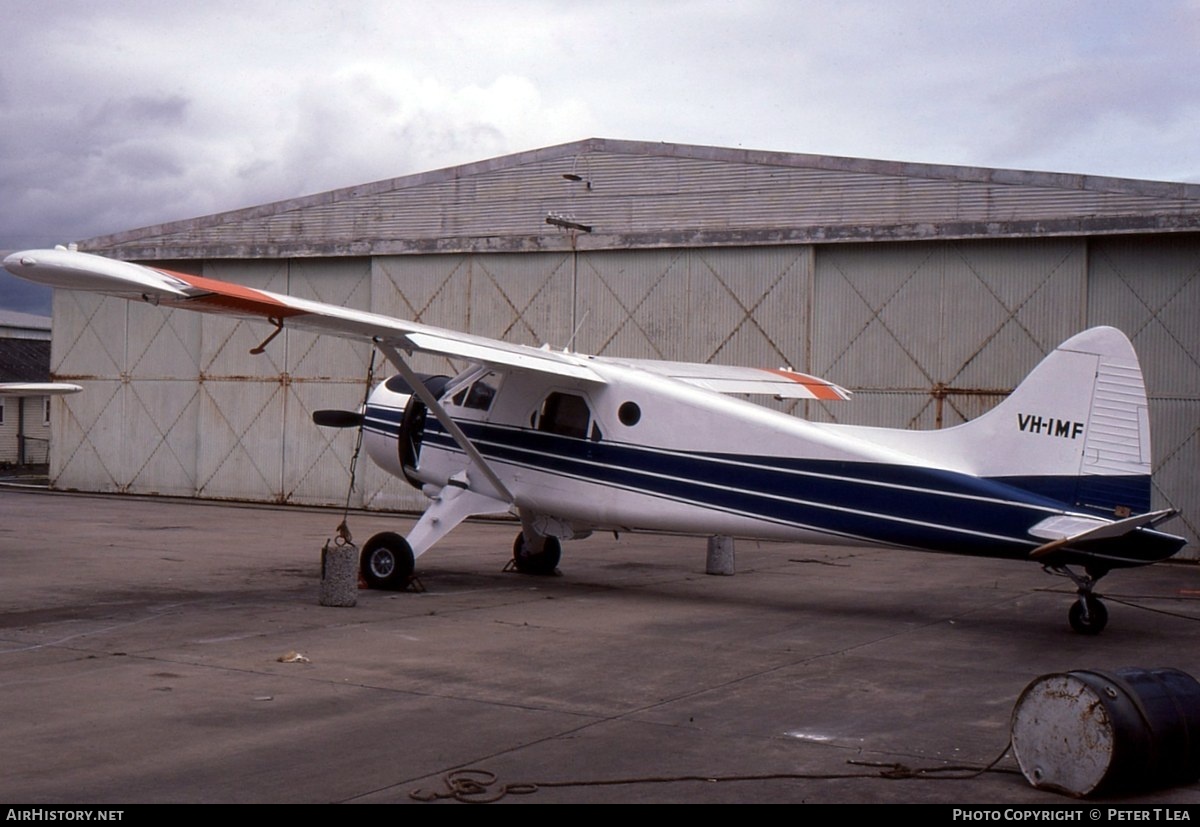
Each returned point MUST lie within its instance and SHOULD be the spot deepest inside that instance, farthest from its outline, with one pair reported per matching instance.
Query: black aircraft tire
(386, 561)
(1096, 620)
(542, 563)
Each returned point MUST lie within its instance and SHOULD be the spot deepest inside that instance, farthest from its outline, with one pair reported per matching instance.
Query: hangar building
(928, 290)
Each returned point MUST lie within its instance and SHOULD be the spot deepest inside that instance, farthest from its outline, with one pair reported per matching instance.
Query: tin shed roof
(605, 193)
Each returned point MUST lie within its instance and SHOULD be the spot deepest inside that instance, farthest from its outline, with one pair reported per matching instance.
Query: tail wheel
(541, 562)
(1088, 616)
(386, 561)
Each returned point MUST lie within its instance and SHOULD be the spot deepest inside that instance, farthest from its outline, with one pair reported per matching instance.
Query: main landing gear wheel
(386, 561)
(1088, 616)
(542, 562)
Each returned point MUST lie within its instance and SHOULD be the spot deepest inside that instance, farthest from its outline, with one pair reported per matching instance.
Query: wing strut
(498, 490)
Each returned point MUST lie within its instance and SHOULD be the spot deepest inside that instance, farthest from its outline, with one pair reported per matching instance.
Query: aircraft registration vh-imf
(1057, 473)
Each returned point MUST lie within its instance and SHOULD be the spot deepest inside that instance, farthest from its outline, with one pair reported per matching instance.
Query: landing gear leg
(1088, 616)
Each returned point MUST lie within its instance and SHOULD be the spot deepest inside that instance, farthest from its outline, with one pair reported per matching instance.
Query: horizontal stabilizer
(1068, 530)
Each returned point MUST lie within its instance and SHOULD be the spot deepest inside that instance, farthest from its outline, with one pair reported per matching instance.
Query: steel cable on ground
(1133, 605)
(475, 786)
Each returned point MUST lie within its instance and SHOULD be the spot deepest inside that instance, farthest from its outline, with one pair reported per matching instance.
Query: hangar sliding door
(736, 306)
(174, 403)
(931, 334)
(134, 426)
(1150, 288)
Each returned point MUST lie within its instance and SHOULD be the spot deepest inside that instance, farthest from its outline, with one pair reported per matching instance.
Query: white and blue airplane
(1057, 473)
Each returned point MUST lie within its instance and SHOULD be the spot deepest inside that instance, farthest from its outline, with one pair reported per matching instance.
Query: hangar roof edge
(651, 194)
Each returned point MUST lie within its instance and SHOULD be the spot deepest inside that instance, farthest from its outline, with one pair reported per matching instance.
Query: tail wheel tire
(1090, 619)
(540, 562)
(386, 561)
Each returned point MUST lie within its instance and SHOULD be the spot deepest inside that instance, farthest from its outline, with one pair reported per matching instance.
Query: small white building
(24, 420)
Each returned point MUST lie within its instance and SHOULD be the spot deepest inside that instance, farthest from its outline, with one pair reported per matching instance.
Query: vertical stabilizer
(1077, 429)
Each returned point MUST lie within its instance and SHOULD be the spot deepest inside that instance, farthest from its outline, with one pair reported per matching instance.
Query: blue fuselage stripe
(894, 504)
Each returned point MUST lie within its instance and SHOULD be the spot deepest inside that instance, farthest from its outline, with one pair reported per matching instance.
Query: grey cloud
(110, 119)
(140, 112)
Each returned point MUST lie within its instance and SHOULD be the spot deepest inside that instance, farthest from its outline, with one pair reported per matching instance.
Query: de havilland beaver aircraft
(1057, 473)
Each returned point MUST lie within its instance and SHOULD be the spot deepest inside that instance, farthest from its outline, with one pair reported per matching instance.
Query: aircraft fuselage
(638, 453)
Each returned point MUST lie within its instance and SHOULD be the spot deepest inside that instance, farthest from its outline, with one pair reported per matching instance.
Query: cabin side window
(567, 415)
(478, 396)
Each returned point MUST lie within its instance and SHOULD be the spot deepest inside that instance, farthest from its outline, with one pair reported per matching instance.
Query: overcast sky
(120, 114)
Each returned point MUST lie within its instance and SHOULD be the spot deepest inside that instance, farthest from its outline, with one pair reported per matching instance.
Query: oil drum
(1091, 731)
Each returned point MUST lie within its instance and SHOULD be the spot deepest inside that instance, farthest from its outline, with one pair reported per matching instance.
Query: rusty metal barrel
(1087, 732)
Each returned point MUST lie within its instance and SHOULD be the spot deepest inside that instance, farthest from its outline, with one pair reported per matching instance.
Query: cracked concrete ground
(140, 643)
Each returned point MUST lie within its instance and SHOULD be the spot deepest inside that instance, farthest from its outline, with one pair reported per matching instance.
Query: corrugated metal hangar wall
(926, 333)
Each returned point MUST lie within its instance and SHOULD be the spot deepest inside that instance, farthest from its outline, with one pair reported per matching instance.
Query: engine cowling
(394, 424)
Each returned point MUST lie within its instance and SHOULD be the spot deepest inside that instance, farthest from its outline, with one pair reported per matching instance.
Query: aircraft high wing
(38, 388)
(1058, 473)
